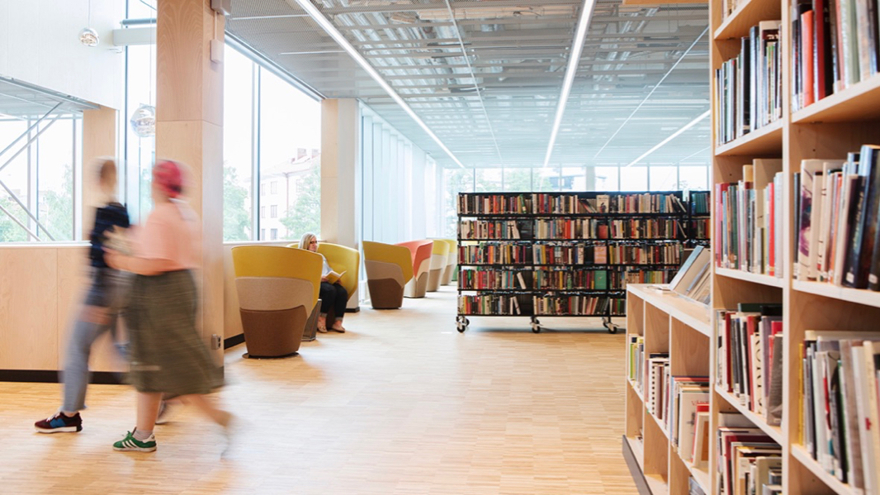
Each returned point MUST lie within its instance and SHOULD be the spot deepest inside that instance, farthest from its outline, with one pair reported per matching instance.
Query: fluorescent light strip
(337, 36)
(683, 55)
(670, 138)
(573, 59)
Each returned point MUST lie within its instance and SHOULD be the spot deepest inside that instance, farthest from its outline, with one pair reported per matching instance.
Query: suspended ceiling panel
(25, 101)
(486, 75)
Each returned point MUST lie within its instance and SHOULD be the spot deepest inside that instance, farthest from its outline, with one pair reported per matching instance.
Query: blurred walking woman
(167, 353)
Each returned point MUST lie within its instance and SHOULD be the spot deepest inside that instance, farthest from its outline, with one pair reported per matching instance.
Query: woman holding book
(333, 295)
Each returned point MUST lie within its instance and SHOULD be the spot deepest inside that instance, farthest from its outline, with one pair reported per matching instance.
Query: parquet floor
(401, 404)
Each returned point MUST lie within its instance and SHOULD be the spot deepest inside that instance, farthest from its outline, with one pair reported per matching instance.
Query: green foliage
(305, 216)
(456, 181)
(236, 211)
(9, 230)
(518, 179)
(59, 209)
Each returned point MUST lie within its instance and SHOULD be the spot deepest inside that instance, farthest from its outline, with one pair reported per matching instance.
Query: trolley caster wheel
(536, 328)
(461, 323)
(612, 328)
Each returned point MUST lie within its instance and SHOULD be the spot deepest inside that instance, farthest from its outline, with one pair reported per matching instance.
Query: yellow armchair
(389, 268)
(439, 258)
(451, 261)
(277, 289)
(341, 259)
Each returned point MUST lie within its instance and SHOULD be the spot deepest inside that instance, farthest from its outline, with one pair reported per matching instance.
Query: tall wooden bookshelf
(501, 234)
(826, 129)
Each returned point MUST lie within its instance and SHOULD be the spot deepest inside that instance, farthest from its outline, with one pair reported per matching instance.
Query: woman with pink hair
(167, 354)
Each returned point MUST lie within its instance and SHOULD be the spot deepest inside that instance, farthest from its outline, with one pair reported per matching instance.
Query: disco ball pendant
(88, 37)
(143, 121)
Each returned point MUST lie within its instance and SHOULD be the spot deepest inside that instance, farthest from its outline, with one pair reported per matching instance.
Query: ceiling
(487, 78)
(25, 101)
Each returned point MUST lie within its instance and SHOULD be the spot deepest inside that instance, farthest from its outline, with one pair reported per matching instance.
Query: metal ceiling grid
(24, 101)
(486, 78)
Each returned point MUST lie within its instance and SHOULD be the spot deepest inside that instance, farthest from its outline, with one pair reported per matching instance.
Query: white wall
(39, 44)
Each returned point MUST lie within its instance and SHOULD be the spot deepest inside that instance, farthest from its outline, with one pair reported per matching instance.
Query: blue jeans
(108, 291)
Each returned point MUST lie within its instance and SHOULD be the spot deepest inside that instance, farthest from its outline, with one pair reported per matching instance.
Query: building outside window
(274, 235)
(274, 187)
(262, 212)
(273, 211)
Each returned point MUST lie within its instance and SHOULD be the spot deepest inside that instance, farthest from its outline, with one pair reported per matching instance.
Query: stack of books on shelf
(749, 86)
(749, 461)
(558, 204)
(576, 304)
(748, 220)
(656, 379)
(635, 362)
(570, 228)
(492, 304)
(687, 419)
(837, 212)
(495, 279)
(834, 46)
(749, 358)
(700, 222)
(840, 375)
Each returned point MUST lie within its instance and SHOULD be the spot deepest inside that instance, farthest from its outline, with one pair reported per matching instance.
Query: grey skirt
(167, 353)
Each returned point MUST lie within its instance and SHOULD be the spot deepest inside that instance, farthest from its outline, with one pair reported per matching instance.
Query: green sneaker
(131, 444)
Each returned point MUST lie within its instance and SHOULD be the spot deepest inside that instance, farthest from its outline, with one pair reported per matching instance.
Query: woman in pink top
(167, 353)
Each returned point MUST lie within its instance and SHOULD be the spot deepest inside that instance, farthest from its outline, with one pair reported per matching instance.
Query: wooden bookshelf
(671, 324)
(826, 129)
(756, 278)
(746, 15)
(766, 140)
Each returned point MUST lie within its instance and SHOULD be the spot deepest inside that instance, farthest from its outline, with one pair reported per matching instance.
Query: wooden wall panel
(99, 139)
(28, 308)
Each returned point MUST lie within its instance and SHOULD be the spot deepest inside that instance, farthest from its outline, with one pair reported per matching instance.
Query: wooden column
(189, 129)
(99, 140)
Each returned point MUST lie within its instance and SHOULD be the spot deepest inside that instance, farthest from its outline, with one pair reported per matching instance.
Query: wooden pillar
(99, 140)
(340, 191)
(189, 129)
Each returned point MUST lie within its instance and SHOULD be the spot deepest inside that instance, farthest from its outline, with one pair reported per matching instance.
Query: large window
(38, 184)
(271, 145)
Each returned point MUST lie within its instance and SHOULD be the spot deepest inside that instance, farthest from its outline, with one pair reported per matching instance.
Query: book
(861, 248)
(334, 276)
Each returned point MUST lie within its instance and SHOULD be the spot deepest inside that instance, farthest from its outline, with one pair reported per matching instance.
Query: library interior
(440, 247)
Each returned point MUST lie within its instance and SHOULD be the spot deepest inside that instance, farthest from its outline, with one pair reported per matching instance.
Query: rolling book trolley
(564, 254)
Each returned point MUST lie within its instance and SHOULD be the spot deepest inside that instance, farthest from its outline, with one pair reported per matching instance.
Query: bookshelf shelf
(691, 313)
(702, 476)
(860, 296)
(801, 454)
(859, 102)
(766, 140)
(773, 432)
(663, 324)
(745, 16)
(755, 278)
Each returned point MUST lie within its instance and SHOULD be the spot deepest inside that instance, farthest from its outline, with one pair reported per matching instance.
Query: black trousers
(333, 296)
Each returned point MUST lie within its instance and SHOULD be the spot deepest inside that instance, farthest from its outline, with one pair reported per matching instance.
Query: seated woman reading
(333, 295)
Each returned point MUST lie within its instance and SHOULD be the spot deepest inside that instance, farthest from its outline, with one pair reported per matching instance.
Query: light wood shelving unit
(668, 323)
(829, 128)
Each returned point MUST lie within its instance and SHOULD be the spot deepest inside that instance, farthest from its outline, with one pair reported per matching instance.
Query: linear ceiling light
(337, 36)
(574, 57)
(631, 115)
(670, 138)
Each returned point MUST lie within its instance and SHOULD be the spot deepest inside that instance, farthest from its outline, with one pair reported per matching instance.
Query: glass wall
(271, 146)
(38, 185)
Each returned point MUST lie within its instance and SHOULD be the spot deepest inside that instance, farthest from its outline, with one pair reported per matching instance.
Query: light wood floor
(401, 404)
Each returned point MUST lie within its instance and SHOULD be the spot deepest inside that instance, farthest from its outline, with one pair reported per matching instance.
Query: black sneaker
(59, 423)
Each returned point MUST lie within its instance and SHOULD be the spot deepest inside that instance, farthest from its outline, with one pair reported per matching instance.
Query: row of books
(548, 305)
(700, 228)
(611, 253)
(748, 87)
(561, 203)
(635, 361)
(687, 418)
(749, 357)
(834, 46)
(837, 213)
(700, 202)
(506, 279)
(840, 376)
(575, 228)
(748, 221)
(491, 304)
(578, 304)
(657, 375)
(748, 461)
